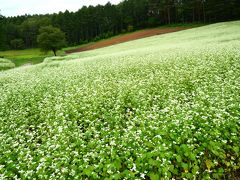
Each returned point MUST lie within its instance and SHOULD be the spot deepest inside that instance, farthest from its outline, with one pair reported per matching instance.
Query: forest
(103, 21)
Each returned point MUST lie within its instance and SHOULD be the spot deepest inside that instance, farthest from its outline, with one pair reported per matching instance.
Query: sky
(21, 7)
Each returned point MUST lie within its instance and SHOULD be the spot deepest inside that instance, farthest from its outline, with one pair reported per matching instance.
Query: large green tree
(51, 39)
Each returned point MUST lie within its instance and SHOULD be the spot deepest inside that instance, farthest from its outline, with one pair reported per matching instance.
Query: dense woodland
(95, 23)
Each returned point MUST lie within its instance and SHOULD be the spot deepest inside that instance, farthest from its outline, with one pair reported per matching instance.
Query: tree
(30, 28)
(51, 38)
(2, 33)
(17, 43)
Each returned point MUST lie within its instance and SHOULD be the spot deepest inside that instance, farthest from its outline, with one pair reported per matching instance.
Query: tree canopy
(102, 21)
(51, 38)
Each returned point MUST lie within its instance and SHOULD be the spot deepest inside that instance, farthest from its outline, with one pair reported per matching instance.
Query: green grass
(160, 107)
(26, 56)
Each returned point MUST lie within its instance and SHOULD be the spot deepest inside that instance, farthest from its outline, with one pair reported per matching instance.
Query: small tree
(51, 39)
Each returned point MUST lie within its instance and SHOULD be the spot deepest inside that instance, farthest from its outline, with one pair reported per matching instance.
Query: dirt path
(125, 38)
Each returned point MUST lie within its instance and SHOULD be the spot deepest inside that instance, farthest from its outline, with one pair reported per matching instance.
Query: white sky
(21, 7)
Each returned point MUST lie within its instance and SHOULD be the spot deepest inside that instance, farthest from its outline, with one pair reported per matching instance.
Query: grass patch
(26, 56)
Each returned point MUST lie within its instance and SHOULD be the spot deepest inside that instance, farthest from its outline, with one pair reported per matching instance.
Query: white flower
(142, 175)
(134, 168)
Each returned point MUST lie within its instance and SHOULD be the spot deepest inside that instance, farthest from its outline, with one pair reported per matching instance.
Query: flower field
(164, 107)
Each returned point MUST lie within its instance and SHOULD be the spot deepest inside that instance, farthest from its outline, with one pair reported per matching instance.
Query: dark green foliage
(130, 28)
(17, 44)
(51, 38)
(93, 23)
(2, 33)
(30, 28)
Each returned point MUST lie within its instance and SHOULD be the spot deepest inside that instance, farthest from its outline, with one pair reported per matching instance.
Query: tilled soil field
(127, 37)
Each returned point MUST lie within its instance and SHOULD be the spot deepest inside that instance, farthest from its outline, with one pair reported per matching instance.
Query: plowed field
(127, 37)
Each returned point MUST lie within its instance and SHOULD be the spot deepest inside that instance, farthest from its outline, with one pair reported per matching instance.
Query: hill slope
(160, 107)
(128, 37)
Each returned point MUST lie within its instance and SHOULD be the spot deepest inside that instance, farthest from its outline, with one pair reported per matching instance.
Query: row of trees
(94, 23)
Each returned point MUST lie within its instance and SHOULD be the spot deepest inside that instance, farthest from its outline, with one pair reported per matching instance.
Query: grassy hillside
(160, 107)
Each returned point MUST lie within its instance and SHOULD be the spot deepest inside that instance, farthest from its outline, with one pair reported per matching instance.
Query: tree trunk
(54, 51)
(193, 18)
(204, 13)
(168, 14)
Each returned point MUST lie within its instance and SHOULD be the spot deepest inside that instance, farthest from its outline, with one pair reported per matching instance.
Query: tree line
(102, 21)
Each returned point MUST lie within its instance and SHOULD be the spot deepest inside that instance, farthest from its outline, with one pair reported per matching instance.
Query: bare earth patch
(127, 37)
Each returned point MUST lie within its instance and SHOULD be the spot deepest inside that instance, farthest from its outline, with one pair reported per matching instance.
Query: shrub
(17, 44)
(83, 42)
(152, 21)
(97, 38)
(130, 28)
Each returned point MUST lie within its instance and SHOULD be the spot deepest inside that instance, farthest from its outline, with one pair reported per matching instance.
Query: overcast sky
(21, 7)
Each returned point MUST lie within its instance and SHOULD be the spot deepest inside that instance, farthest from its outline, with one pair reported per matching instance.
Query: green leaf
(117, 164)
(184, 166)
(208, 164)
(195, 170)
(179, 158)
(87, 171)
(151, 162)
(236, 149)
(154, 176)
(192, 157)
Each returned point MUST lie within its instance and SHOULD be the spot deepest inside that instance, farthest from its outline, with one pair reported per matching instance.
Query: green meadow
(26, 56)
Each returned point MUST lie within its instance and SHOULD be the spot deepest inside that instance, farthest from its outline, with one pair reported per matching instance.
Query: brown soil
(125, 38)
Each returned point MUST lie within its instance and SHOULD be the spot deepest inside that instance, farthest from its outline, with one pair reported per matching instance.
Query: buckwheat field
(164, 107)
